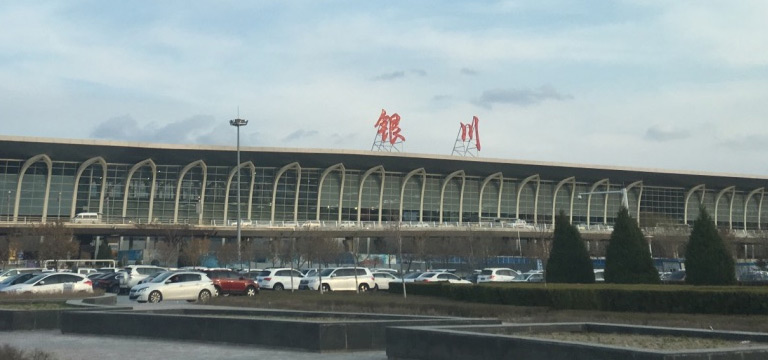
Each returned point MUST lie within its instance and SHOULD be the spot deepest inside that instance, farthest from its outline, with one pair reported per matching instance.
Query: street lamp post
(58, 217)
(238, 123)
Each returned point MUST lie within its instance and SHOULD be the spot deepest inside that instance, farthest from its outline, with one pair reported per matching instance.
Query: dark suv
(230, 282)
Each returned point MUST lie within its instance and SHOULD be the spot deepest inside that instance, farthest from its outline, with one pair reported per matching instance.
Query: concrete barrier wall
(262, 330)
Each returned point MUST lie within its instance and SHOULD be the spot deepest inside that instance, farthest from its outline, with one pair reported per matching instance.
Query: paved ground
(78, 347)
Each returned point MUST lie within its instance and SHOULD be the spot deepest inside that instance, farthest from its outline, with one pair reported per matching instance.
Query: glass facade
(205, 193)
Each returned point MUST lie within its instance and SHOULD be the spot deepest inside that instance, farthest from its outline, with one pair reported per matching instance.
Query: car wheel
(250, 291)
(326, 287)
(217, 291)
(155, 297)
(278, 287)
(204, 296)
(363, 287)
(115, 289)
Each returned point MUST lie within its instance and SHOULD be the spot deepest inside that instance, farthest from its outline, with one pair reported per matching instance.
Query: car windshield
(10, 279)
(412, 275)
(161, 278)
(265, 273)
(35, 279)
(487, 272)
(326, 272)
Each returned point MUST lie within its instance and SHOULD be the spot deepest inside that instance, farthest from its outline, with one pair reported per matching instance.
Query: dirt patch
(643, 341)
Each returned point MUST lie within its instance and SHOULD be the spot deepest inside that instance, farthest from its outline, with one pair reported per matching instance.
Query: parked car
(11, 272)
(499, 275)
(228, 282)
(535, 277)
(150, 277)
(343, 278)
(382, 279)
(279, 279)
(311, 224)
(135, 273)
(473, 278)
(675, 277)
(599, 275)
(175, 285)
(52, 283)
(16, 279)
(441, 277)
(411, 276)
(110, 282)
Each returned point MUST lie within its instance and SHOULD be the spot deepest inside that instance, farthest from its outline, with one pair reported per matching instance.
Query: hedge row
(605, 297)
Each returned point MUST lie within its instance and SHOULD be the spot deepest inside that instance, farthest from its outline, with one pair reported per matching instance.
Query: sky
(678, 85)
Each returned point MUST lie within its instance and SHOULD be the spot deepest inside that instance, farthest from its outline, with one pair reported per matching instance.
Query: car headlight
(141, 290)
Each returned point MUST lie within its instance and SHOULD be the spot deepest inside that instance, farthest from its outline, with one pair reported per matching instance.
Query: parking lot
(79, 347)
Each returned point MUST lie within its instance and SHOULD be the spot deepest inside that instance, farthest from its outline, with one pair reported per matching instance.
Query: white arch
(23, 171)
(325, 173)
(423, 173)
(232, 173)
(461, 194)
(571, 180)
(79, 173)
(151, 191)
(535, 199)
(760, 190)
(688, 197)
(297, 167)
(488, 179)
(201, 203)
(732, 189)
(589, 200)
(639, 197)
(381, 190)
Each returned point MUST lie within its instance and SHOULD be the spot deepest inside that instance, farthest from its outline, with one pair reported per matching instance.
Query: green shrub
(606, 297)
(569, 260)
(707, 260)
(627, 258)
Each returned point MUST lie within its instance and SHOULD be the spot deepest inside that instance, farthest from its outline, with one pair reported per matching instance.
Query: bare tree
(193, 250)
(56, 242)
(167, 253)
(227, 254)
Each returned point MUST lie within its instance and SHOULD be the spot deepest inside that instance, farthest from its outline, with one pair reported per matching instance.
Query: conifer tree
(569, 260)
(707, 260)
(627, 258)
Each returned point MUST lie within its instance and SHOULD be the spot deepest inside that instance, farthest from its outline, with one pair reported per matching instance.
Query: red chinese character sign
(468, 139)
(388, 135)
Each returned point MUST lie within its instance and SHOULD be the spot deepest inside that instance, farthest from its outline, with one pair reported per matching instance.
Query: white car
(499, 275)
(135, 273)
(52, 283)
(411, 276)
(441, 277)
(343, 278)
(175, 285)
(382, 280)
(279, 279)
(12, 272)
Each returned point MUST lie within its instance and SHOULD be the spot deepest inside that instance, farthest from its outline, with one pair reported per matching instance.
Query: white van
(87, 218)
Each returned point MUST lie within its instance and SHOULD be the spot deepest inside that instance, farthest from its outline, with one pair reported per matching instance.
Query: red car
(229, 282)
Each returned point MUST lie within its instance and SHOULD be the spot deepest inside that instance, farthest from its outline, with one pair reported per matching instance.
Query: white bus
(77, 264)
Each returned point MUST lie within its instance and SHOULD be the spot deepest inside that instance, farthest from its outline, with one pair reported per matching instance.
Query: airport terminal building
(45, 179)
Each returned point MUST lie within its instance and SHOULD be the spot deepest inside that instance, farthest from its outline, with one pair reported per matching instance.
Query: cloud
(298, 134)
(522, 97)
(200, 129)
(390, 76)
(468, 72)
(663, 133)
